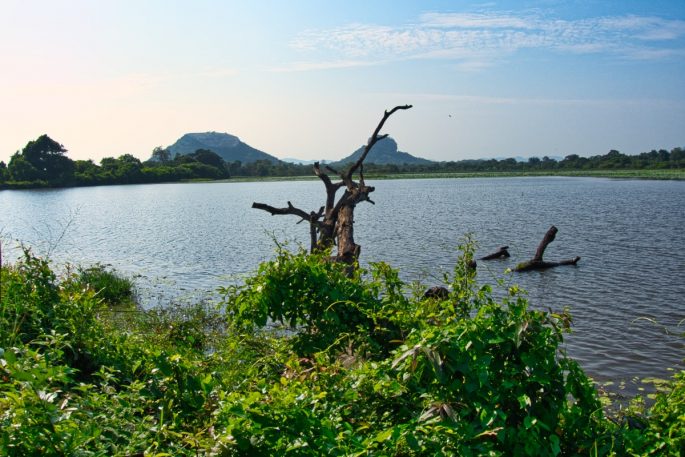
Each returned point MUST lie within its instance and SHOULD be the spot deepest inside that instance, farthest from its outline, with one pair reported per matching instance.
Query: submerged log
(537, 263)
(503, 252)
(533, 265)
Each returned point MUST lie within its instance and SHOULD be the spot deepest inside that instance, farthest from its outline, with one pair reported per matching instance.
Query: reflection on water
(184, 237)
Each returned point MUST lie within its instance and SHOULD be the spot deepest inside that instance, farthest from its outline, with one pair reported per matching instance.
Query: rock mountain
(230, 148)
(384, 152)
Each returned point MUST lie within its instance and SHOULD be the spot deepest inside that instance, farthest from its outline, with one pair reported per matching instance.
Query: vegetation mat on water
(303, 359)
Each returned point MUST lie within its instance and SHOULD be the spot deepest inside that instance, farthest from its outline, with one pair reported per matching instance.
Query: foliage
(43, 163)
(42, 159)
(306, 359)
(107, 284)
(659, 431)
(315, 297)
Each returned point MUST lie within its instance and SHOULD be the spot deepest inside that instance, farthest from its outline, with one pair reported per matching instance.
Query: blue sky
(311, 79)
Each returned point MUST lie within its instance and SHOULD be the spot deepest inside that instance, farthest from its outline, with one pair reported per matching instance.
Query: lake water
(179, 238)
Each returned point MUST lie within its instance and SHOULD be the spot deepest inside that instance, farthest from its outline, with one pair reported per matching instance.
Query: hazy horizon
(310, 81)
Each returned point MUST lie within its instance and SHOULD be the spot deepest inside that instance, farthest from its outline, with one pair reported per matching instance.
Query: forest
(43, 163)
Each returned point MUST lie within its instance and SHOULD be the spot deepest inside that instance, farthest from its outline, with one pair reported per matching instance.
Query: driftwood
(503, 253)
(333, 223)
(537, 263)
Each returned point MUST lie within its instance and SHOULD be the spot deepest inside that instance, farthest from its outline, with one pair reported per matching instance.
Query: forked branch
(375, 138)
(536, 263)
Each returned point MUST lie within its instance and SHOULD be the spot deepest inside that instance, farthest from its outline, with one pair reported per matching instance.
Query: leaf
(412, 442)
(384, 435)
(409, 353)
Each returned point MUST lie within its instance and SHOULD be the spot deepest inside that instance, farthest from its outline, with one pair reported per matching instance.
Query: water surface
(178, 238)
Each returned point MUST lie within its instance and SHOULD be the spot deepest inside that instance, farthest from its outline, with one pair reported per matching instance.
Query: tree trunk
(537, 263)
(503, 252)
(348, 251)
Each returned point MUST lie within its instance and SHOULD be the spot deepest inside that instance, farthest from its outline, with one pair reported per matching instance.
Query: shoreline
(657, 175)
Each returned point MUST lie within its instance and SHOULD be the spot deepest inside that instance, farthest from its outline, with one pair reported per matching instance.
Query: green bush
(109, 286)
(307, 359)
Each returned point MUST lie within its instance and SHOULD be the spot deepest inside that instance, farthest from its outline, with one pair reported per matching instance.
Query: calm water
(177, 238)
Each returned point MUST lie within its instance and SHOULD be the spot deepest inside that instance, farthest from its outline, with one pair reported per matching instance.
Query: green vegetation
(302, 359)
(43, 163)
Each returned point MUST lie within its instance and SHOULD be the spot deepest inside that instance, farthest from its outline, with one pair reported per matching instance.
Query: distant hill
(383, 152)
(229, 147)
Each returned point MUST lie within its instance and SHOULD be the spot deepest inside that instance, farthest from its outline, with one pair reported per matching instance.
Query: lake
(626, 294)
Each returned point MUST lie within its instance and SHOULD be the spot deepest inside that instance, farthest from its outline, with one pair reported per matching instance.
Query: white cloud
(479, 40)
(474, 21)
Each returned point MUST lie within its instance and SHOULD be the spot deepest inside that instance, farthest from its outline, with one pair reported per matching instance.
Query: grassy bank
(301, 360)
(665, 174)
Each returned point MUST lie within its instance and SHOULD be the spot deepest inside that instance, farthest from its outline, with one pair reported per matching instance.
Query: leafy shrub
(469, 376)
(316, 297)
(660, 431)
(362, 368)
(109, 286)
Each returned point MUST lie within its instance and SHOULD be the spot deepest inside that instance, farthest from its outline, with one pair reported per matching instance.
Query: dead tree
(536, 263)
(503, 252)
(333, 223)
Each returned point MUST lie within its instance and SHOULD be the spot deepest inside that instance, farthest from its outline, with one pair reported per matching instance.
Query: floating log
(502, 253)
(537, 263)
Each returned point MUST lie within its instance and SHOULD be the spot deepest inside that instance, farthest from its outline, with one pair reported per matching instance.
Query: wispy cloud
(478, 40)
(477, 21)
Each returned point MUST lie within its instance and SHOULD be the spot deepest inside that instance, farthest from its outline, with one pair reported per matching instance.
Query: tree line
(43, 163)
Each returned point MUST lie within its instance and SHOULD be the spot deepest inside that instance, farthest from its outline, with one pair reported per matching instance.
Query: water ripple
(184, 237)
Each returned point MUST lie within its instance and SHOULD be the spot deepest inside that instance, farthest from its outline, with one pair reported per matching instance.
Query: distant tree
(160, 154)
(508, 164)
(47, 157)
(235, 168)
(20, 169)
(4, 174)
(548, 163)
(570, 161)
(208, 158)
(86, 173)
(124, 170)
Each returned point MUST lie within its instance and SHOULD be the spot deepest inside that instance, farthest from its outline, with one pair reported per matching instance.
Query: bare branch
(289, 210)
(373, 140)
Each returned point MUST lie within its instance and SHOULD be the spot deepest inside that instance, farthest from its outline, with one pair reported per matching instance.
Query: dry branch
(503, 252)
(335, 220)
(537, 263)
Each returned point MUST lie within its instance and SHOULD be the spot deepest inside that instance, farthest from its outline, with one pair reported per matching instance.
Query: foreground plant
(304, 359)
(465, 375)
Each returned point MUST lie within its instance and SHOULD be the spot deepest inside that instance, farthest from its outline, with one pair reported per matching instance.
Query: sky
(311, 79)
